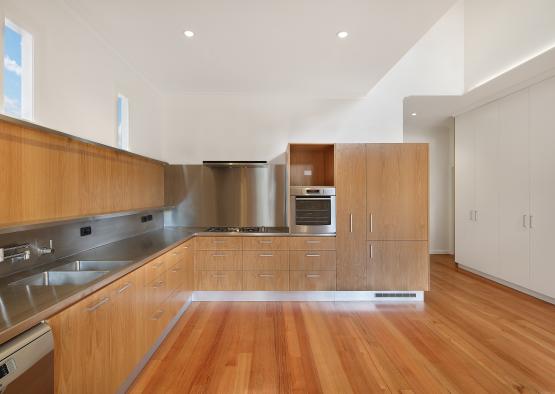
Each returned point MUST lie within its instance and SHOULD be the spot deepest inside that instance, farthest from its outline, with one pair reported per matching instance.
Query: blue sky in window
(12, 72)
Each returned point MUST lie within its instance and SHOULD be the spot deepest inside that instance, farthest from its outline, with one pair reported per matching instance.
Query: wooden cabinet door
(398, 265)
(82, 345)
(514, 192)
(125, 352)
(350, 184)
(397, 191)
(542, 183)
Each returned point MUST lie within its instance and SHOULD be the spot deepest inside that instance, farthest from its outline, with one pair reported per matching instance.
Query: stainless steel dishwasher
(27, 362)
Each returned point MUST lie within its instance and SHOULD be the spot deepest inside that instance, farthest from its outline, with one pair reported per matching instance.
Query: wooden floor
(469, 336)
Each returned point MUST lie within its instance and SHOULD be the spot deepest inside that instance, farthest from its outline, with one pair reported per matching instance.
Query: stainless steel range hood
(236, 164)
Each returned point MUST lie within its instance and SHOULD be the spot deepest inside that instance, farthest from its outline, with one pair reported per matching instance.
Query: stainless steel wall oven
(312, 210)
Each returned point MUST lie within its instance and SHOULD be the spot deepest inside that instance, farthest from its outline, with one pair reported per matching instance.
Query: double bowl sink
(74, 273)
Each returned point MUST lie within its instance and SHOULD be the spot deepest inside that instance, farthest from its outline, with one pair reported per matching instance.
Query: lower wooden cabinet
(312, 280)
(219, 280)
(398, 265)
(101, 339)
(266, 280)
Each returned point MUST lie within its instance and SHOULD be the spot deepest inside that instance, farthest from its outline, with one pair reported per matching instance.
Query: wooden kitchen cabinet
(350, 189)
(397, 192)
(100, 340)
(82, 341)
(398, 265)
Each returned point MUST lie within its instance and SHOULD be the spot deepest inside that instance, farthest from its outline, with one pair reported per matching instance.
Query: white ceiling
(261, 46)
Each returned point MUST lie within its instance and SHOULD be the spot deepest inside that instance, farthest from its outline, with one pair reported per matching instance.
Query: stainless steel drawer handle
(124, 287)
(158, 314)
(524, 219)
(219, 255)
(312, 255)
(371, 223)
(176, 253)
(371, 251)
(312, 276)
(265, 275)
(185, 247)
(98, 304)
(312, 242)
(159, 284)
(266, 242)
(219, 275)
(351, 222)
(266, 255)
(176, 269)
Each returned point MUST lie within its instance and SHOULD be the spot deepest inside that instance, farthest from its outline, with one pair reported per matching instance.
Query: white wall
(78, 76)
(500, 34)
(442, 204)
(231, 127)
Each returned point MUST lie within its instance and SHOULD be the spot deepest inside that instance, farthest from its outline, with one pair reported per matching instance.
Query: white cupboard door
(464, 190)
(486, 192)
(514, 189)
(542, 187)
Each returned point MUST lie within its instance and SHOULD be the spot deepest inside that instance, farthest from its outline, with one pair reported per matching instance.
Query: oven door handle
(314, 198)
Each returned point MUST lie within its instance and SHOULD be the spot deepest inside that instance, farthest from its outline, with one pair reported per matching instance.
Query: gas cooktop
(236, 229)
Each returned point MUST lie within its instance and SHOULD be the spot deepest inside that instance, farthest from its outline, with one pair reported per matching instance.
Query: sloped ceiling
(262, 47)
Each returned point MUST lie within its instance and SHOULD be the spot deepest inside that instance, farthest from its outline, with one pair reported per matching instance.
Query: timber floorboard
(470, 335)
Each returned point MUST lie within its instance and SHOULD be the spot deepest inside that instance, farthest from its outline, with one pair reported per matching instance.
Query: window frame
(27, 70)
(122, 122)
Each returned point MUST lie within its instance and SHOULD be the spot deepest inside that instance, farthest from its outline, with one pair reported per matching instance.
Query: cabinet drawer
(157, 291)
(174, 256)
(312, 243)
(219, 280)
(155, 268)
(265, 243)
(301, 260)
(157, 320)
(266, 280)
(218, 260)
(312, 280)
(266, 260)
(175, 277)
(218, 243)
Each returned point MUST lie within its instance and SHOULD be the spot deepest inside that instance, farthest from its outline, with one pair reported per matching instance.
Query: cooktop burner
(236, 230)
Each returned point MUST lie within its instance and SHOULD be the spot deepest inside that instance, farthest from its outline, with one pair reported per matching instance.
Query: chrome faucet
(46, 249)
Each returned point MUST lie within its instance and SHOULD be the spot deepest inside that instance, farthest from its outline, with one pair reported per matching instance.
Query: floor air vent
(395, 295)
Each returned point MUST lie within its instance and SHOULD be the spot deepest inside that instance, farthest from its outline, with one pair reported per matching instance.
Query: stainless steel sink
(59, 278)
(92, 265)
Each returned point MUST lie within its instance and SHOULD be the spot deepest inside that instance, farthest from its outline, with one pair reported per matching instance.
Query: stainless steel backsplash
(68, 241)
(214, 196)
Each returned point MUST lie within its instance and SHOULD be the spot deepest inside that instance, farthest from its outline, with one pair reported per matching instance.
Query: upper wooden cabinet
(48, 177)
(350, 184)
(311, 164)
(397, 192)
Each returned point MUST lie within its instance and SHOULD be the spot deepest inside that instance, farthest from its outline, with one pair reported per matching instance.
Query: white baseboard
(330, 296)
(438, 251)
(524, 290)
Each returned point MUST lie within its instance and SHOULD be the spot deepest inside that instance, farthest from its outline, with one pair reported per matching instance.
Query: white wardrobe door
(487, 205)
(464, 190)
(514, 189)
(542, 172)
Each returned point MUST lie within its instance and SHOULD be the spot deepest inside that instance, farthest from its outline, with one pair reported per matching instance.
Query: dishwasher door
(27, 362)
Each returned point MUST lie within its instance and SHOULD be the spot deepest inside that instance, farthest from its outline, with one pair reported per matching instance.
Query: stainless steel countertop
(22, 307)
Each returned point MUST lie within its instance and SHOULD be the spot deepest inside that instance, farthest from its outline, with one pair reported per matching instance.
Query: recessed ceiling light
(188, 33)
(413, 114)
(342, 34)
